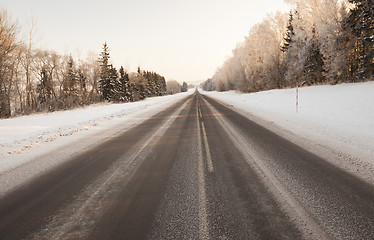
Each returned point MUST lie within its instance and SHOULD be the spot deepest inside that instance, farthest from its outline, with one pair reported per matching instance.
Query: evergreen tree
(133, 92)
(361, 21)
(289, 34)
(342, 55)
(105, 80)
(142, 91)
(114, 85)
(124, 89)
(184, 87)
(314, 65)
(156, 80)
(162, 86)
(45, 90)
(150, 88)
(70, 82)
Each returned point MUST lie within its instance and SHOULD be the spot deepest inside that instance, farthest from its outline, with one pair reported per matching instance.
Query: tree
(289, 34)
(314, 63)
(82, 80)
(70, 84)
(184, 87)
(172, 87)
(114, 85)
(105, 81)
(124, 89)
(361, 20)
(208, 85)
(162, 86)
(8, 46)
(45, 90)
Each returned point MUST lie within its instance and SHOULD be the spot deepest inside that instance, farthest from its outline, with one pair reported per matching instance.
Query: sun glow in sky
(185, 40)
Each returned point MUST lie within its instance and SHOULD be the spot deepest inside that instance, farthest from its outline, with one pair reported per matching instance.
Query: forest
(317, 42)
(37, 80)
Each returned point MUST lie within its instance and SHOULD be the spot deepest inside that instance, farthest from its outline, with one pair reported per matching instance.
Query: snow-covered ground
(26, 142)
(339, 118)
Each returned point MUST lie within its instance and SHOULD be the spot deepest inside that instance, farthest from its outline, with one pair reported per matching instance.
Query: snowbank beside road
(340, 117)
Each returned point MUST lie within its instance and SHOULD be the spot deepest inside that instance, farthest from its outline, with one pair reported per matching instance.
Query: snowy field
(337, 119)
(26, 142)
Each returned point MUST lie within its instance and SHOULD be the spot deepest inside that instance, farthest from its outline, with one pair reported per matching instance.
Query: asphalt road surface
(197, 170)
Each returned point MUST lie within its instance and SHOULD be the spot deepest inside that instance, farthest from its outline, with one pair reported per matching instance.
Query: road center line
(203, 219)
(208, 156)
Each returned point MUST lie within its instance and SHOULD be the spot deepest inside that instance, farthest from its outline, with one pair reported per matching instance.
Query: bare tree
(8, 46)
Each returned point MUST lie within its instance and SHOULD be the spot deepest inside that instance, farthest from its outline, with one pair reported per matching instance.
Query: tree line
(318, 42)
(120, 86)
(36, 80)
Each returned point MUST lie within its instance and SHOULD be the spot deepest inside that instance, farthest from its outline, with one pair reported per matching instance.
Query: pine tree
(162, 86)
(157, 84)
(293, 59)
(150, 88)
(70, 82)
(114, 85)
(105, 81)
(361, 21)
(184, 87)
(133, 92)
(124, 89)
(141, 90)
(289, 34)
(314, 64)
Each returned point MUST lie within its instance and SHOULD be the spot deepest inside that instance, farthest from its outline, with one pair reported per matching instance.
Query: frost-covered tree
(288, 35)
(361, 21)
(208, 85)
(314, 62)
(172, 87)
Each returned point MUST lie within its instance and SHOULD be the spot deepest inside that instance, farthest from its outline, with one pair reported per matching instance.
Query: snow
(26, 142)
(339, 118)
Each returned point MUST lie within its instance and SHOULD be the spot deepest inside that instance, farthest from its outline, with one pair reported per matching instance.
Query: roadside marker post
(297, 97)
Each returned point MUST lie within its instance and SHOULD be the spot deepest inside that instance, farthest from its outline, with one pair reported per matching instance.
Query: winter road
(197, 170)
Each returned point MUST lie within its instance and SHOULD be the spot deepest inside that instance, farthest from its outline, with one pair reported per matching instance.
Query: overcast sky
(185, 40)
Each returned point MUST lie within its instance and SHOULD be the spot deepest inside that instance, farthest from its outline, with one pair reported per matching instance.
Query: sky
(184, 40)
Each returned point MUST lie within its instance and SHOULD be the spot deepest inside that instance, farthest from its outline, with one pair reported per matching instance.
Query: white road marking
(203, 219)
(208, 156)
